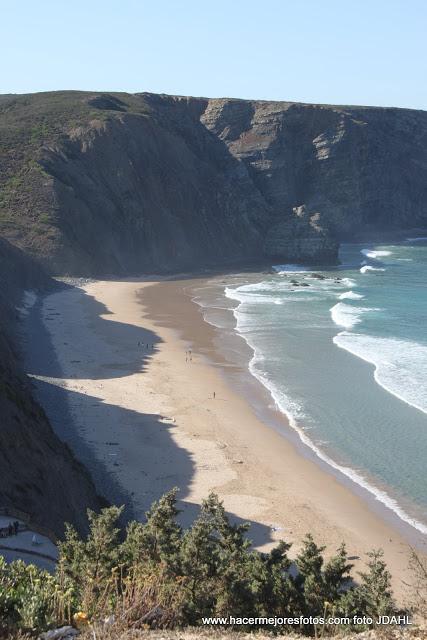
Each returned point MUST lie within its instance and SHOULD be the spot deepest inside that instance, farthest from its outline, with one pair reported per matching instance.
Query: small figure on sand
(214, 395)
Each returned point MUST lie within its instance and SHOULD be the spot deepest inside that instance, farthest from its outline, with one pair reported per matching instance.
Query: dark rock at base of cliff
(299, 237)
(96, 183)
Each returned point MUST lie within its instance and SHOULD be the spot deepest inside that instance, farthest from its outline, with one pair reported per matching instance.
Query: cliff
(38, 472)
(356, 167)
(118, 183)
(98, 184)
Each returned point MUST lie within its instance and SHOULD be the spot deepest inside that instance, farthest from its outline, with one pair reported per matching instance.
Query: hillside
(98, 184)
(39, 475)
(117, 183)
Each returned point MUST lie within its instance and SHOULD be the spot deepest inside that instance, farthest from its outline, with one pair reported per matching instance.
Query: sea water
(343, 352)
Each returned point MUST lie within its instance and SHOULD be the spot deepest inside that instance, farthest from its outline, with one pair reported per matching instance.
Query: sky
(370, 52)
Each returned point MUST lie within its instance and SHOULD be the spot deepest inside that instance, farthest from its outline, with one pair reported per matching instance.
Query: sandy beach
(140, 412)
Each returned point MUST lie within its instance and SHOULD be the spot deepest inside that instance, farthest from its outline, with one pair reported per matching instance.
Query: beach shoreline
(262, 393)
(145, 410)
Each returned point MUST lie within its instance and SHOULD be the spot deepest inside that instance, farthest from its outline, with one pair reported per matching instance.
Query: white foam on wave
(294, 412)
(368, 267)
(254, 294)
(419, 239)
(400, 365)
(258, 287)
(347, 316)
(348, 282)
(281, 269)
(278, 292)
(350, 295)
(374, 255)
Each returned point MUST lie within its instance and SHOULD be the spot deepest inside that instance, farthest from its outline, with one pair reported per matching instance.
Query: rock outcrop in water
(94, 183)
(118, 183)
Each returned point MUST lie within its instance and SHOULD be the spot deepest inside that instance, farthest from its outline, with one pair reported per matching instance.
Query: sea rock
(96, 183)
(165, 183)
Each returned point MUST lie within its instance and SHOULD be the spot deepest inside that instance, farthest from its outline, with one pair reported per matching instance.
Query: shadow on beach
(118, 349)
(114, 441)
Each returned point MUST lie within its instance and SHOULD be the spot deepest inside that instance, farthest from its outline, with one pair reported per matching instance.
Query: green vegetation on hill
(94, 183)
(158, 575)
(31, 124)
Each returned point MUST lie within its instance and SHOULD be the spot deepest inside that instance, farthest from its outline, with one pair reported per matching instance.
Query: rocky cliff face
(124, 185)
(38, 472)
(146, 197)
(356, 167)
(115, 183)
(95, 183)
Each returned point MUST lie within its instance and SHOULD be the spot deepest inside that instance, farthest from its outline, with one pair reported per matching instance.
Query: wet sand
(140, 412)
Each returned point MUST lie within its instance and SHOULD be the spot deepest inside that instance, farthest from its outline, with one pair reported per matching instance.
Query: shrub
(159, 575)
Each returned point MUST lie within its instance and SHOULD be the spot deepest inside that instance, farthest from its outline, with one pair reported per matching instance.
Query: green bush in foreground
(159, 575)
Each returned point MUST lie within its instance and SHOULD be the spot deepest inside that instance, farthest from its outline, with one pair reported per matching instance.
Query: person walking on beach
(214, 395)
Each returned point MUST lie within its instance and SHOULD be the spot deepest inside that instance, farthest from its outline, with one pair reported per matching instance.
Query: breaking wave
(400, 365)
(374, 255)
(350, 295)
(347, 316)
(281, 269)
(368, 267)
(295, 413)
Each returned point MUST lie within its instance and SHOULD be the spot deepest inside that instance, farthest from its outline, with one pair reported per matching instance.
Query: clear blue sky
(328, 51)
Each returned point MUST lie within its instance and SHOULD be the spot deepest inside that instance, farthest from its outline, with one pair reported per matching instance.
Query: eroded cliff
(96, 184)
(118, 183)
(356, 167)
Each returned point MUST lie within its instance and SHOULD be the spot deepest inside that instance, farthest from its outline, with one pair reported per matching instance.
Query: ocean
(343, 353)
